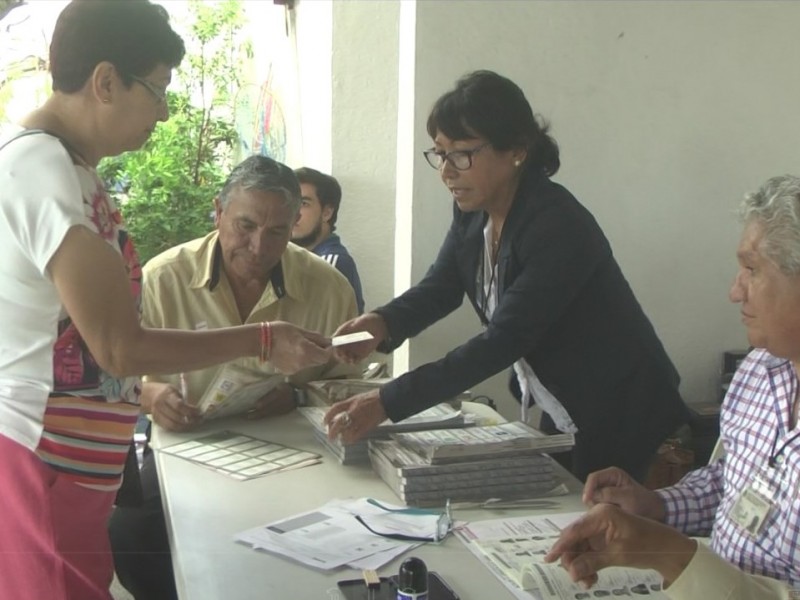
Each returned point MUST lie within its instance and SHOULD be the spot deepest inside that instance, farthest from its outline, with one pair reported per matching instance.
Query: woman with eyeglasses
(542, 279)
(72, 344)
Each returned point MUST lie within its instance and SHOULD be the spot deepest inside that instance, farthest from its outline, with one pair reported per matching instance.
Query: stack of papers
(331, 536)
(513, 549)
(418, 482)
(514, 439)
(439, 417)
(475, 465)
(327, 392)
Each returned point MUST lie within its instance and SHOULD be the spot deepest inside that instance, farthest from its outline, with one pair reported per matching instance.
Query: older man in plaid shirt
(747, 500)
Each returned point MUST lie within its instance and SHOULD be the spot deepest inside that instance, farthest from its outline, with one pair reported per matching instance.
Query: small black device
(356, 589)
(412, 580)
(438, 589)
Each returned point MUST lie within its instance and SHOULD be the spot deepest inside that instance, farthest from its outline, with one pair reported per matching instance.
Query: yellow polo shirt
(185, 287)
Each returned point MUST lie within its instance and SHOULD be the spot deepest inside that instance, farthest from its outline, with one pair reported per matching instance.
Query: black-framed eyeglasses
(444, 523)
(459, 159)
(159, 94)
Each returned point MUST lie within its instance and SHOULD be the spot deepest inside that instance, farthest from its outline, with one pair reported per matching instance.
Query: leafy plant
(165, 189)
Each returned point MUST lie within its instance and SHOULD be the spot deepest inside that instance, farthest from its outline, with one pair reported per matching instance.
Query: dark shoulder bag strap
(26, 132)
(21, 134)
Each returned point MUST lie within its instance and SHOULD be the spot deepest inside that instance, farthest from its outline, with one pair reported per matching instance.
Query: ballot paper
(351, 338)
(513, 549)
(235, 391)
(503, 440)
(241, 456)
(330, 536)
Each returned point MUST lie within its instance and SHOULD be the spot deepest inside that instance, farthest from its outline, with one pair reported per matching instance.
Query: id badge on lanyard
(756, 501)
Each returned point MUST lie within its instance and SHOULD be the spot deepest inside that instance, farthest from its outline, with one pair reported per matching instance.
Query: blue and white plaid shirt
(755, 429)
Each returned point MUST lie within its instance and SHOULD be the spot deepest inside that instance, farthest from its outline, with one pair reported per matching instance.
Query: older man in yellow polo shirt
(244, 272)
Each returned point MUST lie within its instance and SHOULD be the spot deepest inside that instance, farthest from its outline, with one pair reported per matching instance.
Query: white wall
(313, 23)
(364, 136)
(666, 114)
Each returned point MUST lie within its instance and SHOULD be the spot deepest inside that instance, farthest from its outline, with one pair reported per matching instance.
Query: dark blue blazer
(564, 305)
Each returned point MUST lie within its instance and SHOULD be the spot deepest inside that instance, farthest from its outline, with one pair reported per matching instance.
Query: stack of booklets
(327, 392)
(439, 417)
(507, 461)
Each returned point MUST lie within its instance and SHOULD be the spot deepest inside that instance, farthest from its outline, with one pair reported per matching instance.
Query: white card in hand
(351, 338)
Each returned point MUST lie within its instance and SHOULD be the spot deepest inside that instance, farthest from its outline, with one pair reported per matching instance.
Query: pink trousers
(53, 537)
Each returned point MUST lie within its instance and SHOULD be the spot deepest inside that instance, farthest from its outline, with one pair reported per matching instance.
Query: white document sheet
(513, 550)
(330, 537)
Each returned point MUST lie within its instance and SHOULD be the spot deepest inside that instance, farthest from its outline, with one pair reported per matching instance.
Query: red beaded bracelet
(266, 341)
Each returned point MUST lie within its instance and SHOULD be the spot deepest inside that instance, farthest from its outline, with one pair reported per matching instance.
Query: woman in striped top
(72, 344)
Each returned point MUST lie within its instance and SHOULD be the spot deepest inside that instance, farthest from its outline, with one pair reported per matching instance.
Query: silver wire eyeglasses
(459, 159)
(444, 523)
(160, 95)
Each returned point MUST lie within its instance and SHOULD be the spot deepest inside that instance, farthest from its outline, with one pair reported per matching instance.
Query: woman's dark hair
(493, 107)
(133, 35)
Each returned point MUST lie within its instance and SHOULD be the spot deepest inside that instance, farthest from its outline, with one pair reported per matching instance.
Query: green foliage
(166, 189)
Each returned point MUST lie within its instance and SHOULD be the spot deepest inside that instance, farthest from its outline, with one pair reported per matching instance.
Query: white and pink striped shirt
(55, 400)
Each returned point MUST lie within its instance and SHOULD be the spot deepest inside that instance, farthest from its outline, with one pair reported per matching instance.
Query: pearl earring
(517, 163)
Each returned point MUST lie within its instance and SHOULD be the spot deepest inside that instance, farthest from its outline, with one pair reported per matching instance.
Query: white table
(205, 509)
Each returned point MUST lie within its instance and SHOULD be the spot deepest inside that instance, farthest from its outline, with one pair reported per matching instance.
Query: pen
(184, 394)
(184, 388)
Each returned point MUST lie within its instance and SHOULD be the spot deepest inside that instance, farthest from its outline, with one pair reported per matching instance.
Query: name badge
(750, 511)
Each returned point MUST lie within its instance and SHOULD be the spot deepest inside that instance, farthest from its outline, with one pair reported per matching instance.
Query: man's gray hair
(775, 206)
(265, 174)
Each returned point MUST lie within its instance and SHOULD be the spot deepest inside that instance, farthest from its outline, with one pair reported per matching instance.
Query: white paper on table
(325, 538)
(377, 560)
(419, 526)
(318, 539)
(415, 523)
(513, 550)
(512, 527)
(516, 526)
(373, 515)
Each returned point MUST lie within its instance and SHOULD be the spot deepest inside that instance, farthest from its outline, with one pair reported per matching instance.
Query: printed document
(331, 537)
(235, 391)
(513, 549)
